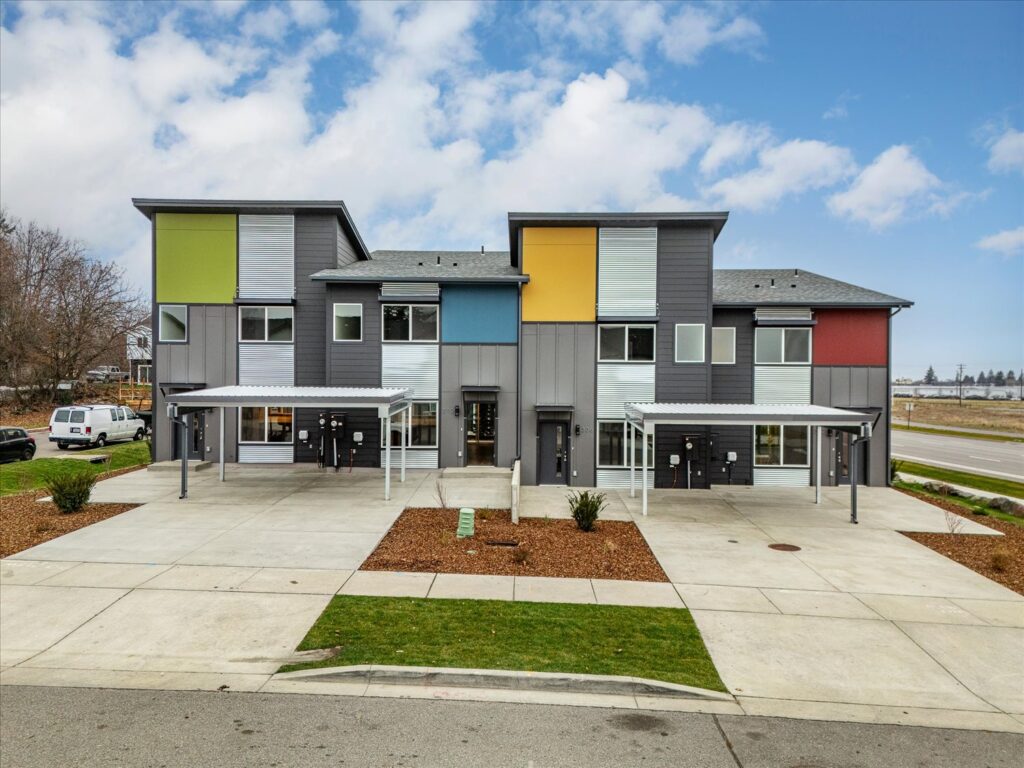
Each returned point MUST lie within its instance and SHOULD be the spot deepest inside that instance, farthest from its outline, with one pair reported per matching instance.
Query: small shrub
(895, 465)
(1001, 559)
(585, 507)
(71, 489)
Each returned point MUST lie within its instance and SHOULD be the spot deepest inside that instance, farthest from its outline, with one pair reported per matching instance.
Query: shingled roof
(761, 287)
(428, 266)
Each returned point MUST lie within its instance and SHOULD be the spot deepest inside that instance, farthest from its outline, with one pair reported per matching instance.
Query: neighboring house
(140, 354)
(529, 353)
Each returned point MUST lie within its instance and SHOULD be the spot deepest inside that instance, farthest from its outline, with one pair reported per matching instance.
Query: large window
(784, 346)
(690, 343)
(348, 322)
(173, 322)
(265, 323)
(783, 445)
(264, 425)
(422, 427)
(628, 343)
(613, 445)
(723, 346)
(410, 322)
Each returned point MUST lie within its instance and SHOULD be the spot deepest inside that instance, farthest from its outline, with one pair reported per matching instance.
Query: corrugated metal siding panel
(618, 384)
(432, 290)
(627, 272)
(782, 384)
(415, 366)
(418, 459)
(266, 454)
(266, 364)
(783, 313)
(266, 257)
(782, 476)
(619, 478)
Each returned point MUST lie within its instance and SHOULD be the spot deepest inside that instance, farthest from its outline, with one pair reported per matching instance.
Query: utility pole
(960, 383)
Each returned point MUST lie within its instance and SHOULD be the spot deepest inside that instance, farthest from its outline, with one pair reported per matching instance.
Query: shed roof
(428, 266)
(743, 414)
(762, 287)
(293, 397)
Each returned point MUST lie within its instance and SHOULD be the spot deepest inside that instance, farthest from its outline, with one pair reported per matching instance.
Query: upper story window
(629, 343)
(723, 346)
(173, 325)
(689, 343)
(348, 322)
(265, 323)
(783, 346)
(409, 322)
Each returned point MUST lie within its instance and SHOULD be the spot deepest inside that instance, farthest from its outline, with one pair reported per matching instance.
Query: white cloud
(695, 29)
(785, 169)
(309, 13)
(894, 185)
(1006, 152)
(840, 109)
(1009, 242)
(733, 143)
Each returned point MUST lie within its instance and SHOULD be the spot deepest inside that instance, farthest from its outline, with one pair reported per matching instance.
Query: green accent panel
(196, 258)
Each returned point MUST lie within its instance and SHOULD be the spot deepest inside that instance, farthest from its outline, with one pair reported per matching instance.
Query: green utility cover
(465, 523)
(196, 258)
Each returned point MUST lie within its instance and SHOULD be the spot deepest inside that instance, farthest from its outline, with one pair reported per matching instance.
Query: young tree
(930, 377)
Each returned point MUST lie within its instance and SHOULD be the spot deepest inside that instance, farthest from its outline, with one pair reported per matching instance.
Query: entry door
(553, 460)
(196, 437)
(844, 447)
(481, 430)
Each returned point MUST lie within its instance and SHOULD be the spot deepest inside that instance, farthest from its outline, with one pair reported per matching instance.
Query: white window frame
(266, 324)
(732, 344)
(703, 342)
(625, 446)
(160, 324)
(782, 446)
(334, 322)
(396, 425)
(266, 427)
(625, 342)
(785, 330)
(410, 340)
(149, 374)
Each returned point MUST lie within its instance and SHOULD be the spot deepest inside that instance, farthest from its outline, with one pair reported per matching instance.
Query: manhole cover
(784, 547)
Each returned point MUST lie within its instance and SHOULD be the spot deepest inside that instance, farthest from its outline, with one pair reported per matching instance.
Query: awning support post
(184, 456)
(632, 460)
(817, 470)
(222, 443)
(643, 471)
(405, 438)
(387, 457)
(854, 450)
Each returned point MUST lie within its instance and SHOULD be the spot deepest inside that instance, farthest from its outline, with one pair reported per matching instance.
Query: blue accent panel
(479, 314)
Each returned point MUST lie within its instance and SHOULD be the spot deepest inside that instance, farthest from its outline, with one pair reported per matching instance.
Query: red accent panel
(851, 337)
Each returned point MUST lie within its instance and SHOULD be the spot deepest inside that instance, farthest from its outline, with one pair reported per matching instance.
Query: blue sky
(877, 143)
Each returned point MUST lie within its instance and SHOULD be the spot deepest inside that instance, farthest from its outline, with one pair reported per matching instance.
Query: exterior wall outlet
(303, 434)
(673, 460)
(357, 437)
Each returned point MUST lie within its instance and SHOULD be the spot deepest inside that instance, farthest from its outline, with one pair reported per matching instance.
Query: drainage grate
(784, 547)
(501, 543)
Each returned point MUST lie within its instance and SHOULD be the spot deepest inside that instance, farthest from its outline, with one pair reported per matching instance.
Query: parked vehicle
(94, 425)
(16, 444)
(107, 373)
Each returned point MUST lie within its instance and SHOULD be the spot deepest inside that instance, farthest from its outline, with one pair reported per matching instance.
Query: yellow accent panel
(562, 265)
(196, 258)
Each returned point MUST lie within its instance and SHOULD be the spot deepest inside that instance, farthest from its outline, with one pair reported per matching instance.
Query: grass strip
(958, 433)
(29, 475)
(968, 479)
(655, 643)
(969, 506)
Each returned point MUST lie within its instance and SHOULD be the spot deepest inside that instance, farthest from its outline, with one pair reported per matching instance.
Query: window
(689, 342)
(422, 427)
(613, 445)
(628, 343)
(409, 322)
(782, 346)
(142, 342)
(265, 425)
(265, 323)
(348, 322)
(723, 346)
(78, 417)
(61, 416)
(173, 322)
(781, 445)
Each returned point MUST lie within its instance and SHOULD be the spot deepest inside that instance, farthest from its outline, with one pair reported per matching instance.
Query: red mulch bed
(423, 539)
(1000, 558)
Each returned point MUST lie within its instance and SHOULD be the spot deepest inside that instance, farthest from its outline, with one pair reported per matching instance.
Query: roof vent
(455, 263)
(481, 250)
(796, 273)
(421, 263)
(773, 282)
(439, 259)
(792, 285)
(757, 285)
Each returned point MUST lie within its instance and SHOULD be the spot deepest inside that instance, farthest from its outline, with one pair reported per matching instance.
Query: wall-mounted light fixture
(456, 411)
(577, 430)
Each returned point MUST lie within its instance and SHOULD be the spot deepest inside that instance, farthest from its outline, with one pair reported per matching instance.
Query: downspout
(172, 415)
(888, 400)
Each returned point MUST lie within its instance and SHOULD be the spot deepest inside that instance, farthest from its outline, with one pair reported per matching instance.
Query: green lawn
(959, 433)
(656, 643)
(17, 477)
(969, 506)
(978, 482)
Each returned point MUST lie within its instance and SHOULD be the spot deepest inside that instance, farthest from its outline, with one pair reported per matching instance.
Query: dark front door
(554, 453)
(196, 437)
(481, 430)
(844, 447)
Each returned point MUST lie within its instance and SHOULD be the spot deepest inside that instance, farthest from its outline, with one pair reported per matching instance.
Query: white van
(94, 425)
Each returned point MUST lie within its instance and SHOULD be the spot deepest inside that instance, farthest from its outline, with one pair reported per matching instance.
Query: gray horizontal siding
(735, 383)
(315, 249)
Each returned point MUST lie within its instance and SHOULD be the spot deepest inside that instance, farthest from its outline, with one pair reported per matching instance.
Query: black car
(16, 445)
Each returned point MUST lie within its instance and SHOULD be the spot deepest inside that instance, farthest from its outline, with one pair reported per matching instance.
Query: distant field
(1002, 415)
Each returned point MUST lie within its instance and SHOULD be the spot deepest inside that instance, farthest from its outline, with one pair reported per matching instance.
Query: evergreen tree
(967, 381)
(1000, 379)
(991, 376)
(1011, 378)
(981, 378)
(930, 377)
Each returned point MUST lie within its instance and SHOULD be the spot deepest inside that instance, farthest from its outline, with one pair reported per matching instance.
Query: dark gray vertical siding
(844, 386)
(315, 244)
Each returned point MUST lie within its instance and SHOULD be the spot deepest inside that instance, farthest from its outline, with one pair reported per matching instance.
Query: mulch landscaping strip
(1000, 558)
(423, 539)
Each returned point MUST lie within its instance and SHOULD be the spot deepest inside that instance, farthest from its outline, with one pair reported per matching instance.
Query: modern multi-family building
(529, 354)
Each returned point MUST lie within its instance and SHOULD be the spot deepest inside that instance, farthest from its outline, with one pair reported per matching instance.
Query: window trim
(410, 340)
(266, 324)
(334, 322)
(160, 324)
(782, 445)
(651, 464)
(703, 343)
(732, 330)
(625, 342)
(396, 422)
(786, 329)
(266, 426)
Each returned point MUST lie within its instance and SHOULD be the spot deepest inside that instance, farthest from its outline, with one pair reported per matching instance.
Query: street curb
(548, 682)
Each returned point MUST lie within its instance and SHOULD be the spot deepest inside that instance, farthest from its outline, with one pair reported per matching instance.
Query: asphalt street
(984, 457)
(99, 727)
